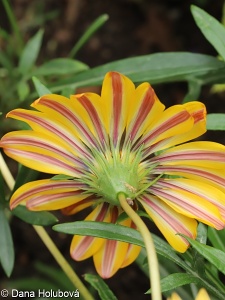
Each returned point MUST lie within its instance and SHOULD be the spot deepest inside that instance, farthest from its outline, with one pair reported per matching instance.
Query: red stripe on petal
(69, 116)
(86, 241)
(159, 129)
(93, 115)
(176, 226)
(117, 90)
(31, 189)
(51, 126)
(146, 106)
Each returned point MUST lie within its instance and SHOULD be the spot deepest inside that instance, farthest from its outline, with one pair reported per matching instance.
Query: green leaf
(7, 255)
(60, 66)
(23, 90)
(212, 29)
(88, 33)
(120, 233)
(98, 283)
(217, 238)
(155, 68)
(30, 53)
(215, 122)
(42, 218)
(40, 87)
(197, 259)
(215, 256)
(175, 280)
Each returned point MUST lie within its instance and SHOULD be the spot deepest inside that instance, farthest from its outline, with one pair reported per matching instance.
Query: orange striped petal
(83, 247)
(169, 222)
(42, 153)
(214, 177)
(92, 103)
(110, 257)
(48, 194)
(75, 208)
(198, 112)
(52, 127)
(142, 111)
(117, 94)
(180, 194)
(202, 154)
(173, 121)
(71, 113)
(203, 190)
(132, 252)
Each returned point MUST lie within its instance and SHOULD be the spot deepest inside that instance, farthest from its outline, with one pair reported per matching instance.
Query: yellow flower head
(121, 141)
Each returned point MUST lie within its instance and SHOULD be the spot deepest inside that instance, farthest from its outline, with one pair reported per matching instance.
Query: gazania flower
(202, 295)
(122, 141)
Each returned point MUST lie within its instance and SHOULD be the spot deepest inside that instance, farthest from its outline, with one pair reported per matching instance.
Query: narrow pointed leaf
(217, 238)
(40, 87)
(7, 255)
(212, 29)
(176, 280)
(155, 68)
(102, 288)
(30, 52)
(120, 233)
(88, 33)
(60, 66)
(215, 256)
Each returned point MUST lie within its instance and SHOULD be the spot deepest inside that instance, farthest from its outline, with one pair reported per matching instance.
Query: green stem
(149, 245)
(48, 241)
(62, 262)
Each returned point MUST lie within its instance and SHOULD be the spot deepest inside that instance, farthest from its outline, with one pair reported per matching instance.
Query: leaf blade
(30, 52)
(102, 288)
(7, 255)
(212, 29)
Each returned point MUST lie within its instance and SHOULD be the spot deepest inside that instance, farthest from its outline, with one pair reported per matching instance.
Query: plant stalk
(149, 246)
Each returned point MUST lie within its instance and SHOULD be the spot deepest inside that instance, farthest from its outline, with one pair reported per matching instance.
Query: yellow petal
(143, 110)
(132, 252)
(170, 222)
(174, 296)
(178, 194)
(117, 94)
(70, 114)
(202, 295)
(50, 126)
(203, 154)
(83, 247)
(42, 153)
(110, 257)
(198, 112)
(173, 121)
(47, 194)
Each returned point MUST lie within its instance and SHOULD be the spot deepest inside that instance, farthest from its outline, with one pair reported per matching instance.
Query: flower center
(116, 171)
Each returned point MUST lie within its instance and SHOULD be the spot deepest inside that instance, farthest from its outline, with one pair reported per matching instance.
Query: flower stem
(48, 241)
(149, 245)
(62, 262)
